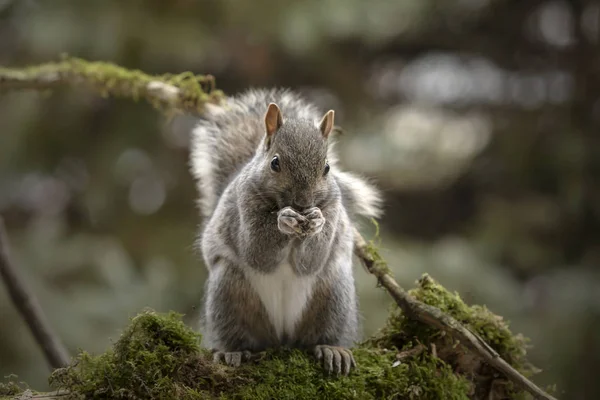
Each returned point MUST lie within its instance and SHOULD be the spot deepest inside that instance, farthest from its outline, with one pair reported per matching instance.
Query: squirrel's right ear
(326, 124)
(273, 119)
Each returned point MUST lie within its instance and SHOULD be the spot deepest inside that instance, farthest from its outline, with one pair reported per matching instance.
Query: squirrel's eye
(275, 164)
(326, 169)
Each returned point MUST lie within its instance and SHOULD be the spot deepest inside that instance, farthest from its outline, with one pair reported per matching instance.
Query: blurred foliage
(478, 118)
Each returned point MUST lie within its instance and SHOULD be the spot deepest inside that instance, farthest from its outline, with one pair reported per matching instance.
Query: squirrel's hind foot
(232, 358)
(335, 359)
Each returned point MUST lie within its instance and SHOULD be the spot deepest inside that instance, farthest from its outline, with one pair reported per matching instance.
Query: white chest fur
(284, 296)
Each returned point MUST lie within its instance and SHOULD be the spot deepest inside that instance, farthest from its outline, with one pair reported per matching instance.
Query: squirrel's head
(295, 164)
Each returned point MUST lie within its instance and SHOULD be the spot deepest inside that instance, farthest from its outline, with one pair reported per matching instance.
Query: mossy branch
(185, 92)
(434, 317)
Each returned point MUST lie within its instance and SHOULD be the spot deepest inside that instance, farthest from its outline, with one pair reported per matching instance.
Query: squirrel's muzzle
(303, 201)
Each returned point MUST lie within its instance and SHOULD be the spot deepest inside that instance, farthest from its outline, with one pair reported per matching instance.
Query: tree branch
(185, 92)
(27, 304)
(433, 317)
(29, 395)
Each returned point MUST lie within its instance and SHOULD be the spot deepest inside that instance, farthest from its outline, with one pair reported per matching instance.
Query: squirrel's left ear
(273, 121)
(326, 124)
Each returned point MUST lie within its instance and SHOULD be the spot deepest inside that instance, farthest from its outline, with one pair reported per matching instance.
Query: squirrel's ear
(273, 119)
(326, 124)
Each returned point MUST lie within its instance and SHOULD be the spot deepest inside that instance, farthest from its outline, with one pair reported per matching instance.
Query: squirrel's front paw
(290, 222)
(233, 358)
(315, 221)
(335, 359)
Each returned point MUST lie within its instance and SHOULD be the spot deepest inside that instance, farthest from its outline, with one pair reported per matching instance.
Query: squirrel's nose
(302, 203)
(303, 199)
(300, 206)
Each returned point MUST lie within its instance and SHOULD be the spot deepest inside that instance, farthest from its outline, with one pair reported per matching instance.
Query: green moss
(292, 374)
(157, 356)
(372, 250)
(11, 387)
(400, 332)
(111, 80)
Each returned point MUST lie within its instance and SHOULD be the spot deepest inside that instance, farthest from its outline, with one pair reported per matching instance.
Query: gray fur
(256, 220)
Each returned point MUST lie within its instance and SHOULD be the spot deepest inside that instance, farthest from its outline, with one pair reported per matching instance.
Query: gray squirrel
(278, 229)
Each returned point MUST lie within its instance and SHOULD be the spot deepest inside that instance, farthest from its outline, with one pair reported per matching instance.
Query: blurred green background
(479, 119)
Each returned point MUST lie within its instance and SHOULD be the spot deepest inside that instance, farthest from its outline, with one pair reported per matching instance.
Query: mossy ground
(158, 356)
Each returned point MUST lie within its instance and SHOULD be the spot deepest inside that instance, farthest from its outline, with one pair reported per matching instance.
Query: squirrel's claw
(233, 358)
(348, 361)
(315, 221)
(335, 359)
(290, 222)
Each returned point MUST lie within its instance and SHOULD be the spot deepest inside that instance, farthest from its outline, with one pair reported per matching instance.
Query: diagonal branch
(27, 304)
(433, 317)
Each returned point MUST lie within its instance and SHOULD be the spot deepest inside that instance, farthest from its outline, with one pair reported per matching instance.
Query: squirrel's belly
(284, 296)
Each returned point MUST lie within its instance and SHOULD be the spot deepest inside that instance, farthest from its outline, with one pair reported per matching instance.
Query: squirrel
(278, 229)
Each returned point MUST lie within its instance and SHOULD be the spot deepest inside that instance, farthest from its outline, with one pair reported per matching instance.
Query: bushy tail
(359, 196)
(216, 152)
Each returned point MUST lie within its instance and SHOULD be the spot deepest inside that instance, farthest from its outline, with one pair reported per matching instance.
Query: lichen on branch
(185, 92)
